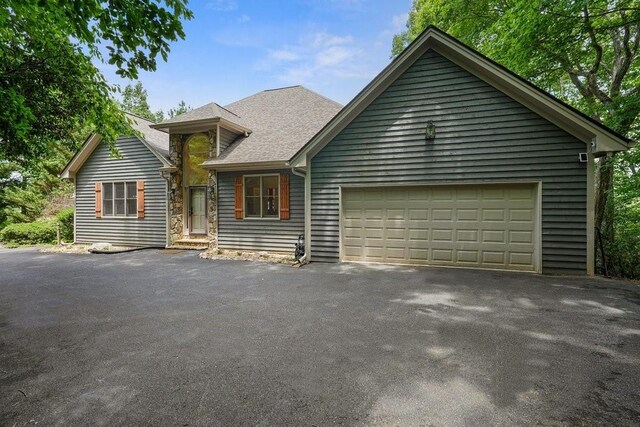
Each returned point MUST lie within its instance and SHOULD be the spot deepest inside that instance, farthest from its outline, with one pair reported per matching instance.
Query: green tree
(585, 52)
(29, 191)
(134, 100)
(49, 86)
(180, 109)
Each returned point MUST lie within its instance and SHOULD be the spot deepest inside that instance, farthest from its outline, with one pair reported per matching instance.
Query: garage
(482, 226)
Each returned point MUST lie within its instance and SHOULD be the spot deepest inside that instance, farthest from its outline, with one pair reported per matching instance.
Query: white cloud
(399, 22)
(243, 19)
(283, 55)
(316, 56)
(333, 55)
(222, 5)
(396, 26)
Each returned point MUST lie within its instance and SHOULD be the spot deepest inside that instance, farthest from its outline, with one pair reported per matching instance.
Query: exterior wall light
(430, 132)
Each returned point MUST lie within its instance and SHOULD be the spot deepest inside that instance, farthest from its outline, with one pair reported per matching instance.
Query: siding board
(482, 136)
(259, 234)
(137, 163)
(226, 138)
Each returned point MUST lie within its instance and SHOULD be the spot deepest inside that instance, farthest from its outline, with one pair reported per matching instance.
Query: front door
(197, 210)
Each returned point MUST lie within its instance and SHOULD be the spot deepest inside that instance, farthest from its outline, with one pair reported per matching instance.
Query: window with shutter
(239, 203)
(98, 199)
(284, 196)
(120, 199)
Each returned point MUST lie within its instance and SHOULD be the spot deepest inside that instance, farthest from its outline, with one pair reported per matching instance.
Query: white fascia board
(81, 156)
(201, 125)
(223, 167)
(160, 157)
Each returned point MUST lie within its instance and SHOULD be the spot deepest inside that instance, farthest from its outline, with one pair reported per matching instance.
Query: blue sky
(234, 48)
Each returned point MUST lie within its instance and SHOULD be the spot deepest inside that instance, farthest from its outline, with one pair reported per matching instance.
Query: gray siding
(137, 163)
(259, 234)
(482, 136)
(226, 138)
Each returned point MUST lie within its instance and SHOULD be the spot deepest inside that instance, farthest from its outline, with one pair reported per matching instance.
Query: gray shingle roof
(209, 111)
(159, 141)
(281, 120)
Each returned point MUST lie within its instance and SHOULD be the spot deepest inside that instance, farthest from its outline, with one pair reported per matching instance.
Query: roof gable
(156, 141)
(557, 112)
(207, 114)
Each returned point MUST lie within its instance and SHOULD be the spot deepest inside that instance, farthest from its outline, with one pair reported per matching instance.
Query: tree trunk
(604, 209)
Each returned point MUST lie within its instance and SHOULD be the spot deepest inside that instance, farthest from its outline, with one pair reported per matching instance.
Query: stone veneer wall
(176, 196)
(212, 191)
(176, 202)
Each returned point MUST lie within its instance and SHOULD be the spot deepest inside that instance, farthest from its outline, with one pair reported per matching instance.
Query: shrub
(29, 233)
(65, 219)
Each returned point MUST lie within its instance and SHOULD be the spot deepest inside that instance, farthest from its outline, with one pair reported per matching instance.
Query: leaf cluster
(49, 85)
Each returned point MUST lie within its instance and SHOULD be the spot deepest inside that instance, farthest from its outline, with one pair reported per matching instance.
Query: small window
(120, 199)
(261, 196)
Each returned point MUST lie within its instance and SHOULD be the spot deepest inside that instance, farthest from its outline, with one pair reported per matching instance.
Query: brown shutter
(239, 204)
(140, 199)
(284, 196)
(98, 200)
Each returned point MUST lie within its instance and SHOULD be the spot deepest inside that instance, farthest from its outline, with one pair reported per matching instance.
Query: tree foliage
(585, 52)
(49, 85)
(134, 100)
(28, 191)
(180, 109)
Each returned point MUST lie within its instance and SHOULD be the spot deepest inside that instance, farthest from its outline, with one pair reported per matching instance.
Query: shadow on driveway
(157, 338)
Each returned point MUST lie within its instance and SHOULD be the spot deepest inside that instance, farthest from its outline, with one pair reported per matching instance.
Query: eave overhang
(244, 166)
(600, 138)
(201, 125)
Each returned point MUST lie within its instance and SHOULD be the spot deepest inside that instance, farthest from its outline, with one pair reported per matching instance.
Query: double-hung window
(120, 199)
(261, 196)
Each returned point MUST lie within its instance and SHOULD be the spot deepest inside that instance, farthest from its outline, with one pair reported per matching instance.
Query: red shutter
(140, 199)
(284, 196)
(239, 204)
(98, 200)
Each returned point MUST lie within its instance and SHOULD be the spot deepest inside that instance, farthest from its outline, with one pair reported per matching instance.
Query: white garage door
(483, 226)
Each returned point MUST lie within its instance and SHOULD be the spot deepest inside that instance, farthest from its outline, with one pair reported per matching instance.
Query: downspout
(303, 259)
(167, 177)
(75, 207)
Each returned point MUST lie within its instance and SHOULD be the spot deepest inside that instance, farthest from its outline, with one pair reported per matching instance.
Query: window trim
(113, 193)
(244, 197)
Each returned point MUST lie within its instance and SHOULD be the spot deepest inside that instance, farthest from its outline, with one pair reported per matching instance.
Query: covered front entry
(483, 226)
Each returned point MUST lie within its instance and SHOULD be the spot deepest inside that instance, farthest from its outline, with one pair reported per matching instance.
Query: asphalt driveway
(169, 339)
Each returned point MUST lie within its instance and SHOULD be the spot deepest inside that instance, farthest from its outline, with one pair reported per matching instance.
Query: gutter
(166, 174)
(303, 175)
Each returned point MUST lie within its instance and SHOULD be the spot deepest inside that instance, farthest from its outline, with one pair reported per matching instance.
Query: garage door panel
(494, 236)
(445, 255)
(477, 225)
(496, 258)
(520, 237)
(521, 215)
(467, 214)
(355, 232)
(440, 214)
(493, 215)
(467, 235)
(441, 235)
(467, 256)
